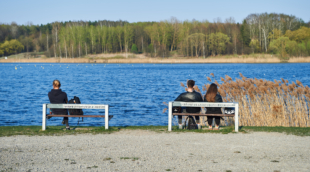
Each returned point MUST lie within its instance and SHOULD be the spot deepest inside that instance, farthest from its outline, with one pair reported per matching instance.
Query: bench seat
(83, 116)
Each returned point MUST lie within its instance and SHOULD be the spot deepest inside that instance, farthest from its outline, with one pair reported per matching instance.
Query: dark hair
(56, 83)
(211, 93)
(190, 83)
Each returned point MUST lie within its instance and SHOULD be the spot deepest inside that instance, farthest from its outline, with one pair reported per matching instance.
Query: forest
(280, 34)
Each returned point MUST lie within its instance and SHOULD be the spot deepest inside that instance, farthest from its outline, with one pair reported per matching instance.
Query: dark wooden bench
(76, 106)
(202, 104)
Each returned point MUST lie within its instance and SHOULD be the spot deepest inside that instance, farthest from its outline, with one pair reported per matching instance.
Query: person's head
(190, 83)
(56, 84)
(211, 93)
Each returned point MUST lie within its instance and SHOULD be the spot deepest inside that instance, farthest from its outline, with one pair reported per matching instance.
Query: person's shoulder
(183, 93)
(218, 98)
(63, 92)
(195, 92)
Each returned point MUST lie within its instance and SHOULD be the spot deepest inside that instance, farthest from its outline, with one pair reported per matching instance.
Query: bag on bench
(176, 109)
(75, 100)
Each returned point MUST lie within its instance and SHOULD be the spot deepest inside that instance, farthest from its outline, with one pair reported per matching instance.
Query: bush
(134, 48)
(11, 47)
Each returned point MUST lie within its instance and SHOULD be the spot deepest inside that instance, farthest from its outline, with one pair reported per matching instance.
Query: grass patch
(59, 130)
(51, 130)
(132, 158)
(125, 158)
(298, 131)
(224, 130)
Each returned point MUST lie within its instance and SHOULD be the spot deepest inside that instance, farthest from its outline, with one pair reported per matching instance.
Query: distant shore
(119, 58)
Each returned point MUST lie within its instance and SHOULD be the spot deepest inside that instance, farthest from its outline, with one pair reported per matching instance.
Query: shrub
(134, 48)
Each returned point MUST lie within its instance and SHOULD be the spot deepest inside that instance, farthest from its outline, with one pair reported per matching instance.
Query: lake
(135, 92)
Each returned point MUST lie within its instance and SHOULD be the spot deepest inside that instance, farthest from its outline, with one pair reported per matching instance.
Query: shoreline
(159, 60)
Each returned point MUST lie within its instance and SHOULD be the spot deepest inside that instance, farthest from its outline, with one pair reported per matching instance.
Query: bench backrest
(204, 104)
(77, 106)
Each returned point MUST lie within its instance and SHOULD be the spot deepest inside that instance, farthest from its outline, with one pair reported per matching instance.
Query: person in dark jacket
(213, 96)
(190, 96)
(57, 96)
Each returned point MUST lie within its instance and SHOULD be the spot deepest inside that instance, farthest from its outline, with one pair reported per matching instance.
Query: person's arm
(66, 98)
(50, 102)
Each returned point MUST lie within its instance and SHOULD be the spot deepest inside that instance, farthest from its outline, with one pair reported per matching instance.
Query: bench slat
(94, 116)
(199, 114)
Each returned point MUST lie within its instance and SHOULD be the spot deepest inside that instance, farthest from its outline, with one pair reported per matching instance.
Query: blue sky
(42, 11)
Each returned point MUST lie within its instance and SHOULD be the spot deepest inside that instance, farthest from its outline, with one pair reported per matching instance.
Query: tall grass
(266, 103)
(262, 102)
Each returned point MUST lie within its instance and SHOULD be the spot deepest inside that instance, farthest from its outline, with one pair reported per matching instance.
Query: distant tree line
(258, 33)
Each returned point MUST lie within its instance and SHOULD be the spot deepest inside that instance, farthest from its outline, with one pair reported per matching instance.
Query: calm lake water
(135, 92)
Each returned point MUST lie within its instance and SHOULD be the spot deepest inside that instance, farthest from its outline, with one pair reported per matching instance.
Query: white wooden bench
(76, 106)
(202, 104)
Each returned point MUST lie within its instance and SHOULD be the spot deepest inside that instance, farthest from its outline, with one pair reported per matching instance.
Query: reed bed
(264, 103)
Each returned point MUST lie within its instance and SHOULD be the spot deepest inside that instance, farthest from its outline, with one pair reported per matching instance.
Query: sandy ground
(137, 150)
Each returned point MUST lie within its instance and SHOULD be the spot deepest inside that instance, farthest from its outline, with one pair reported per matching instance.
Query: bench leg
(236, 118)
(106, 119)
(170, 116)
(44, 117)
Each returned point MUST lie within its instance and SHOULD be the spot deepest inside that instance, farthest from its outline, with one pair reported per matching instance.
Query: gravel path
(140, 150)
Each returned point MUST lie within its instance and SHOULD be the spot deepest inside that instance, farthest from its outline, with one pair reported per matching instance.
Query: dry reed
(266, 103)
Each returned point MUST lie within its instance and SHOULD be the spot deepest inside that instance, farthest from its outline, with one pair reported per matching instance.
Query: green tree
(134, 48)
(11, 47)
(128, 33)
(218, 42)
(254, 45)
(302, 34)
(282, 46)
(1, 51)
(275, 34)
(119, 33)
(245, 33)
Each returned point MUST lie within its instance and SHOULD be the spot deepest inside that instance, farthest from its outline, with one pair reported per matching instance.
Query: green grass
(60, 130)
(224, 130)
(51, 130)
(298, 131)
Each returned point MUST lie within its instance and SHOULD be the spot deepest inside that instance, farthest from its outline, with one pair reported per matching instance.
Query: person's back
(214, 110)
(190, 96)
(213, 96)
(57, 96)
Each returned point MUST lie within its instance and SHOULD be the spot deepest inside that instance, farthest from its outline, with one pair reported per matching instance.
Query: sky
(42, 12)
